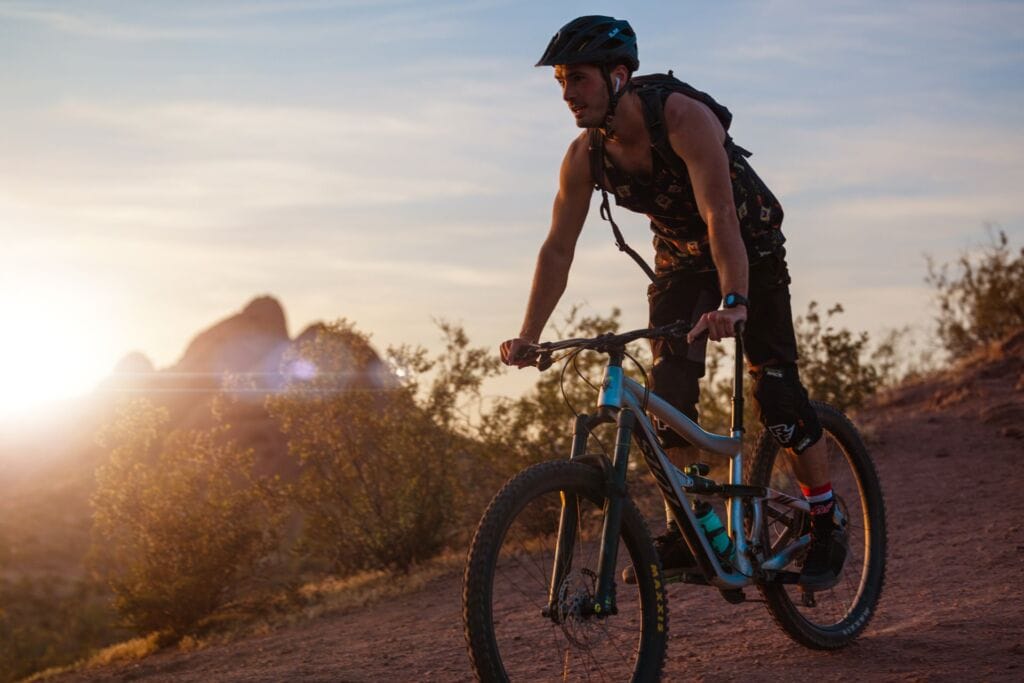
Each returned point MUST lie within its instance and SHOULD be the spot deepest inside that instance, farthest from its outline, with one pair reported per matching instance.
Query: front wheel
(510, 631)
(829, 619)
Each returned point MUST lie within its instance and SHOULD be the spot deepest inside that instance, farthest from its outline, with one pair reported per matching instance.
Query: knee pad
(785, 410)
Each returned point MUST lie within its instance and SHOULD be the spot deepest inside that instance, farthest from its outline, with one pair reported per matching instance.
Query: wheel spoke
(842, 611)
(573, 641)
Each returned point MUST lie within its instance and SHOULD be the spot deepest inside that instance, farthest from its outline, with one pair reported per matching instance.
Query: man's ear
(620, 74)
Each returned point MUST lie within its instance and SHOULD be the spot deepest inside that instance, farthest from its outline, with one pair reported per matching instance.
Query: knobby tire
(841, 613)
(508, 575)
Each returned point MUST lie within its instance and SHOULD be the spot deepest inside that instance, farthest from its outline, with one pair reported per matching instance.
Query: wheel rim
(830, 609)
(582, 646)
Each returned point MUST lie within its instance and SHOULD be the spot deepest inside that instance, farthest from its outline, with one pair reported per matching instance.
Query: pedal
(697, 469)
(807, 598)
(701, 484)
(733, 596)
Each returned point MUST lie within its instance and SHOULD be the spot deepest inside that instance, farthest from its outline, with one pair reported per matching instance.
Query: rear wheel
(508, 576)
(831, 618)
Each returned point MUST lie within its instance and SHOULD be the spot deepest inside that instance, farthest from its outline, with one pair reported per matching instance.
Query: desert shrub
(715, 404)
(538, 425)
(835, 363)
(981, 296)
(836, 366)
(179, 520)
(49, 621)
(378, 450)
(901, 355)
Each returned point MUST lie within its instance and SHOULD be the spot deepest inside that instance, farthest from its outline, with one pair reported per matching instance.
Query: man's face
(584, 90)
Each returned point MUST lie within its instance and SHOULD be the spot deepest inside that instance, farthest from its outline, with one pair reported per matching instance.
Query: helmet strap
(613, 101)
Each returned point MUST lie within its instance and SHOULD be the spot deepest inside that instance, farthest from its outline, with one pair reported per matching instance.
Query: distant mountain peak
(268, 310)
(249, 341)
(134, 363)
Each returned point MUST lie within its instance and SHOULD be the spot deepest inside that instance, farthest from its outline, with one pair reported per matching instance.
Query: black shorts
(769, 338)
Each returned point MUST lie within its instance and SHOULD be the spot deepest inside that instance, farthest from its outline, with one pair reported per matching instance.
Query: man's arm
(698, 138)
(552, 271)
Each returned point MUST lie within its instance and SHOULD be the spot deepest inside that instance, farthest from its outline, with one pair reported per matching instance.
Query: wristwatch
(732, 300)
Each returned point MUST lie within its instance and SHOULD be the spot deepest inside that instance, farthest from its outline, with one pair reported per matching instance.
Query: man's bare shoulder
(579, 148)
(685, 115)
(576, 165)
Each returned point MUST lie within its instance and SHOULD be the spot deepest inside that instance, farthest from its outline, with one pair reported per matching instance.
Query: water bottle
(714, 530)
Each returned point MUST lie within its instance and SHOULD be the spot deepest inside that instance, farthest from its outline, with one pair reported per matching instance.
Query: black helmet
(593, 40)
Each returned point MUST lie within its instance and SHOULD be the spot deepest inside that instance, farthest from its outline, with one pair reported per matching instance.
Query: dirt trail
(949, 454)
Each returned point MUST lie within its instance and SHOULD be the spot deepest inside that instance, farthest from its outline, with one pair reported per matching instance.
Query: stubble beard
(590, 119)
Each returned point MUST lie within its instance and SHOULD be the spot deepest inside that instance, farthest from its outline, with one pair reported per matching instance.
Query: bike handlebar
(607, 343)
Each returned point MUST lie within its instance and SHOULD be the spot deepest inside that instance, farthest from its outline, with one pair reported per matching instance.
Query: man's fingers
(717, 326)
(697, 329)
(722, 325)
(518, 353)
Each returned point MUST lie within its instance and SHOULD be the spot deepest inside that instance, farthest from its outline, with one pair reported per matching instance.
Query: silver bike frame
(618, 391)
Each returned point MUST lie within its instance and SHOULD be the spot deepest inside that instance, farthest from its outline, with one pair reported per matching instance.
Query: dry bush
(378, 452)
(49, 621)
(179, 520)
(538, 426)
(835, 363)
(982, 299)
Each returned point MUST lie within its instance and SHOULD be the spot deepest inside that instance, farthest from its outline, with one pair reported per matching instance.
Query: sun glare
(52, 346)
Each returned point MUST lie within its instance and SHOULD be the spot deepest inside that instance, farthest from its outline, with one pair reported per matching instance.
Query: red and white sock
(819, 497)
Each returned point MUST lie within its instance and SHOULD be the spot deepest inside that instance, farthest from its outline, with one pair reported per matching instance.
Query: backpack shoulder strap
(596, 151)
(653, 101)
(653, 90)
(596, 158)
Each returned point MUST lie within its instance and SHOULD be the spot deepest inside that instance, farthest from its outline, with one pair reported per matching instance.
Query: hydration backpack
(653, 89)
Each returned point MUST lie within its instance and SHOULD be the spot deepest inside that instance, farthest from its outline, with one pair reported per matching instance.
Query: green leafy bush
(179, 520)
(982, 299)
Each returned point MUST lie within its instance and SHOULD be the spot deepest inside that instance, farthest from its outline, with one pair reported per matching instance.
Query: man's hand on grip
(718, 324)
(518, 352)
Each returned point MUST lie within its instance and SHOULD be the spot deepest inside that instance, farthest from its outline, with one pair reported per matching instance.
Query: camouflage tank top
(680, 234)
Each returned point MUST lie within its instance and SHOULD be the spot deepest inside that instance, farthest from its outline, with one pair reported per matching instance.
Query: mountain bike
(542, 595)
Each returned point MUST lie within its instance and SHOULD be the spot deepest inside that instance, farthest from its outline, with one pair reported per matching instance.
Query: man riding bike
(716, 230)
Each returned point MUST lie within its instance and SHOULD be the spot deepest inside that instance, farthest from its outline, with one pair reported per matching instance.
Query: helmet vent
(593, 40)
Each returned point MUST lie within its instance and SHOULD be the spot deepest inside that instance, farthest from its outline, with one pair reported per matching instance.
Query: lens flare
(55, 342)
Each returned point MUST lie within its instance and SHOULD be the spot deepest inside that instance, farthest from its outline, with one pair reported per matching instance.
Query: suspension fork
(567, 521)
(604, 599)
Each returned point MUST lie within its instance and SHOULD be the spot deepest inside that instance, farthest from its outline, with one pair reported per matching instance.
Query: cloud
(929, 156)
(106, 27)
(201, 163)
(799, 32)
(359, 21)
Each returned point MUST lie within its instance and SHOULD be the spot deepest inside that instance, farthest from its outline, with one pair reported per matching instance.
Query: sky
(394, 162)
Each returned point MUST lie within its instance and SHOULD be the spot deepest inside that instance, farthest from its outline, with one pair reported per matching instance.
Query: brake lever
(543, 361)
(540, 356)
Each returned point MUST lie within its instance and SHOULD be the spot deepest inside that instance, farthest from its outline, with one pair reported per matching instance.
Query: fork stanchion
(604, 600)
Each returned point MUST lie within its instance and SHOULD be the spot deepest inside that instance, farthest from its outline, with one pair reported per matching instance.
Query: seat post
(737, 383)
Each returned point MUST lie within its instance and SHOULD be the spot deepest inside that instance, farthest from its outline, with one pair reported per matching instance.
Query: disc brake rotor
(575, 601)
